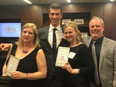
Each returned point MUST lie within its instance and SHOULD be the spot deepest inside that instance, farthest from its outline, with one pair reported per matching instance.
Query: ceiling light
(111, 0)
(69, 1)
(28, 1)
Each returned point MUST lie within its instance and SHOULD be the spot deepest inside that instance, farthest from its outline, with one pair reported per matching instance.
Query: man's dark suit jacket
(50, 56)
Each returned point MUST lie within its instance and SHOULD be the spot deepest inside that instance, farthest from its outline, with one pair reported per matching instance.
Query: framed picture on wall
(79, 21)
(64, 21)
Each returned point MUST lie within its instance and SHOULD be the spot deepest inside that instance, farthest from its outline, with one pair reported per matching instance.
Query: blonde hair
(74, 25)
(36, 38)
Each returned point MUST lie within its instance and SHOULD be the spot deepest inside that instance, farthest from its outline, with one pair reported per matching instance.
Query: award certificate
(62, 56)
(12, 65)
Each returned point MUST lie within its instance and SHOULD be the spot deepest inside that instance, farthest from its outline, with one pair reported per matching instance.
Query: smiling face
(96, 28)
(70, 34)
(28, 35)
(55, 16)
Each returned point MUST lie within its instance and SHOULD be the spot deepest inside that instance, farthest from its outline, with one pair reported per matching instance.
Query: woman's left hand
(18, 75)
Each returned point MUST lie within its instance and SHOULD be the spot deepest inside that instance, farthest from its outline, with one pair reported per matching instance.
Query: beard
(96, 36)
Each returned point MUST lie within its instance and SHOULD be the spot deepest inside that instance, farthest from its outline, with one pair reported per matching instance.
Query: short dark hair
(55, 6)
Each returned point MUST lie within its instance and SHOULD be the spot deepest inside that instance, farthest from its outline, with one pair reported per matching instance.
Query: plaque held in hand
(62, 56)
(12, 65)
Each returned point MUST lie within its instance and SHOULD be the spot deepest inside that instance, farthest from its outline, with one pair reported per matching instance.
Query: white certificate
(62, 56)
(12, 65)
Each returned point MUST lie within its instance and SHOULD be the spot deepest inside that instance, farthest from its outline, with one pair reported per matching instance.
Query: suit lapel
(45, 37)
(62, 29)
(45, 34)
(87, 41)
(104, 46)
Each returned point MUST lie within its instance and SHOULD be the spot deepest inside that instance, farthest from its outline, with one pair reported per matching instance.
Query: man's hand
(4, 46)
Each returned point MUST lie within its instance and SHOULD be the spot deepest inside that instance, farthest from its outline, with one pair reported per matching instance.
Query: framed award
(12, 65)
(62, 56)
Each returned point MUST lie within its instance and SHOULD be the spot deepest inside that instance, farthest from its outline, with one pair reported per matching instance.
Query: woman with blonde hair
(32, 65)
(80, 63)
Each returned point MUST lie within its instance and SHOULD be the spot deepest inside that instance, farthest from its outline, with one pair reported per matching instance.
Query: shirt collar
(99, 40)
(51, 27)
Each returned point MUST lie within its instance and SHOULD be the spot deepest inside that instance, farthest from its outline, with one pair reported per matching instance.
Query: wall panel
(34, 13)
(26, 15)
(97, 10)
(75, 8)
(11, 12)
(37, 16)
(110, 20)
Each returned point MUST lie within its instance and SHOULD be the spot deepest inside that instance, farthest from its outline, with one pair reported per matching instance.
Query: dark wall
(34, 13)
(27, 13)
(107, 11)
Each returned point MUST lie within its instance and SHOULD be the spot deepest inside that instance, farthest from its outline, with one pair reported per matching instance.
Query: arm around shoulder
(3, 46)
(8, 55)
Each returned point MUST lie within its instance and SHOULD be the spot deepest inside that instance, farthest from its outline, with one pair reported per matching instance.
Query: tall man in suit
(54, 74)
(105, 57)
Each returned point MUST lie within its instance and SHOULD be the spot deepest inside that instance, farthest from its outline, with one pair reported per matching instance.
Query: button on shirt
(59, 35)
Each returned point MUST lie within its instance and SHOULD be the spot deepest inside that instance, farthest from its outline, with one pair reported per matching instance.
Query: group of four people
(37, 58)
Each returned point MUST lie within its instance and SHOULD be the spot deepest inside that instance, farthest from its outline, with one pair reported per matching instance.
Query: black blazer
(50, 57)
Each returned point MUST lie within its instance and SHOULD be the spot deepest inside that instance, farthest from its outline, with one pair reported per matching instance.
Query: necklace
(26, 50)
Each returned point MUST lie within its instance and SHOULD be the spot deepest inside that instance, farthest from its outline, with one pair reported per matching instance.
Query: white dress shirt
(59, 35)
